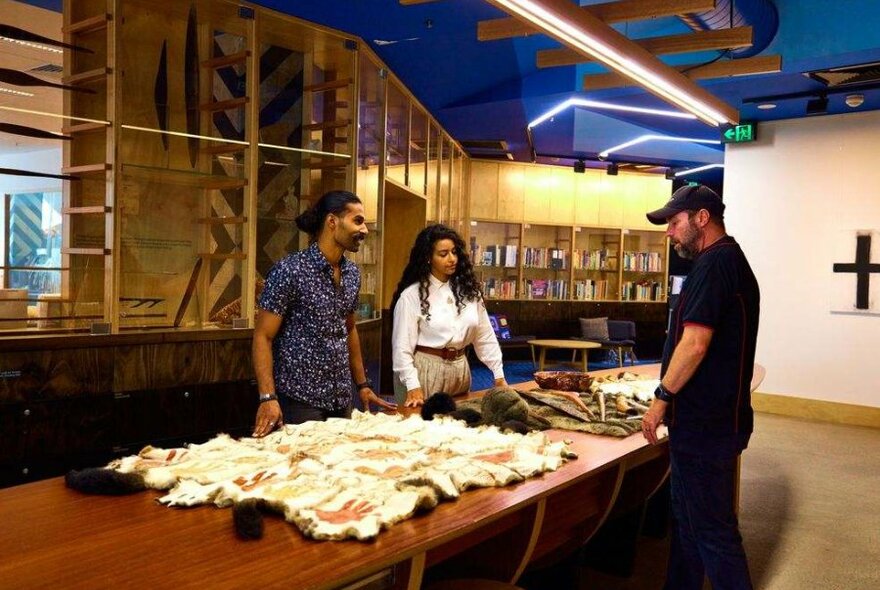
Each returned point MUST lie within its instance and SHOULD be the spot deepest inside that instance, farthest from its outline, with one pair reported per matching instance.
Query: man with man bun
(306, 349)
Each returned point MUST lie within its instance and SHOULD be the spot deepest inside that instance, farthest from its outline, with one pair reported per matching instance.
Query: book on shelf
(601, 259)
(545, 289)
(589, 290)
(642, 291)
(499, 288)
(499, 255)
(642, 261)
(552, 258)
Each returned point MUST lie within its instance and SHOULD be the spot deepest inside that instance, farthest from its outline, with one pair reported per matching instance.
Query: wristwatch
(267, 397)
(365, 384)
(662, 393)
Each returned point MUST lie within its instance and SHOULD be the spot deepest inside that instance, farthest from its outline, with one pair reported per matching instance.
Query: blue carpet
(520, 371)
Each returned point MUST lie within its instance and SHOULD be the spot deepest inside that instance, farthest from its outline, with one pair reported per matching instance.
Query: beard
(688, 247)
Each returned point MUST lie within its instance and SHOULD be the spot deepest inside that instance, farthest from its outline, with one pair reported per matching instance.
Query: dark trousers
(296, 412)
(705, 536)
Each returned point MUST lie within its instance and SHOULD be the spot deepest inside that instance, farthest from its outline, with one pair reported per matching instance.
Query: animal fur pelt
(248, 519)
(108, 482)
(501, 404)
(469, 416)
(439, 403)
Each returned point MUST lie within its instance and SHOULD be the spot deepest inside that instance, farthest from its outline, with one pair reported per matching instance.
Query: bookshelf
(643, 265)
(596, 264)
(368, 259)
(495, 252)
(546, 262)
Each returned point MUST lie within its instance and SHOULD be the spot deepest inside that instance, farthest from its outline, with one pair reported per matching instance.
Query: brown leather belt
(447, 354)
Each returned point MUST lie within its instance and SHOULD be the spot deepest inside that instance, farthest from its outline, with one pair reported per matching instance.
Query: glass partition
(397, 134)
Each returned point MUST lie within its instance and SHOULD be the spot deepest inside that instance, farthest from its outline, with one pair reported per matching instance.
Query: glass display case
(396, 134)
(433, 181)
(596, 262)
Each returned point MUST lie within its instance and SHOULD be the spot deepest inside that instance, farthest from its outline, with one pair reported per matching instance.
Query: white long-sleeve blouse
(446, 328)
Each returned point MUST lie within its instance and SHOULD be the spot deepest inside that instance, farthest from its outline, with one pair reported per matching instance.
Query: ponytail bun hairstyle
(312, 219)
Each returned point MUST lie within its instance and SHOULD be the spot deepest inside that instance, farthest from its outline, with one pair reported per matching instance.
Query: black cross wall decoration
(862, 267)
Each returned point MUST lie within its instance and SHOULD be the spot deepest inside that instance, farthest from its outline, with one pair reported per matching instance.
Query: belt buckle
(450, 354)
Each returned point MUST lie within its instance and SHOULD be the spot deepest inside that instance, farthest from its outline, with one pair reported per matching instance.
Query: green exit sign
(739, 133)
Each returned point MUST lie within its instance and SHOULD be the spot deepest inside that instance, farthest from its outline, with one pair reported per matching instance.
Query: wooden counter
(55, 537)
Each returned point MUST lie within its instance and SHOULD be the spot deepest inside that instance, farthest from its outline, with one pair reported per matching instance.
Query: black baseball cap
(689, 198)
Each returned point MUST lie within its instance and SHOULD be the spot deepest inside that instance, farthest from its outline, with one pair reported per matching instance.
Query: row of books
(591, 290)
(643, 261)
(641, 291)
(500, 255)
(545, 289)
(499, 288)
(552, 258)
(602, 259)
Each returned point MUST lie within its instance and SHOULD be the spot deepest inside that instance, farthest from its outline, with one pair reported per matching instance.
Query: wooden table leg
(584, 359)
(542, 355)
(620, 356)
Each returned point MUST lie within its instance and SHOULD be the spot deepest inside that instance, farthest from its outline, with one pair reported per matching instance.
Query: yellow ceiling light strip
(570, 25)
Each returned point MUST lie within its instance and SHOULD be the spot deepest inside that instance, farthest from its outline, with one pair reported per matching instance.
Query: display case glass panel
(418, 150)
(433, 164)
(397, 133)
(445, 180)
(644, 265)
(596, 263)
(546, 261)
(495, 250)
(184, 167)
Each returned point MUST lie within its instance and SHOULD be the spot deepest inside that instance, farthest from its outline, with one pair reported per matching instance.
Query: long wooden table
(55, 537)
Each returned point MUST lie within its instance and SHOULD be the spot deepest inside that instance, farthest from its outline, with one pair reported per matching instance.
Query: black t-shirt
(712, 414)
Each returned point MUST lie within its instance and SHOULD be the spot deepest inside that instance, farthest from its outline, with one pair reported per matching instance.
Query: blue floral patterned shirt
(310, 352)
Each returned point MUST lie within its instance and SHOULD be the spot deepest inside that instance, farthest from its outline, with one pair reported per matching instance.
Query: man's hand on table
(652, 420)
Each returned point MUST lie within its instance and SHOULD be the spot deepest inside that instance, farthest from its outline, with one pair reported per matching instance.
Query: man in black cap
(704, 392)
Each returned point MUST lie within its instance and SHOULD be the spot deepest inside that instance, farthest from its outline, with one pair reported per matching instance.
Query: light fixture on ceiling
(580, 102)
(612, 169)
(31, 45)
(14, 92)
(645, 138)
(580, 167)
(698, 169)
(766, 106)
(854, 101)
(817, 106)
(569, 24)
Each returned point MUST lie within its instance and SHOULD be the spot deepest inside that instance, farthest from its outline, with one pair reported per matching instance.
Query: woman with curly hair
(438, 311)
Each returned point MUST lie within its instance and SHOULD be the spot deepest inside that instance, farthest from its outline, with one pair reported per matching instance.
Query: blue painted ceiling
(490, 90)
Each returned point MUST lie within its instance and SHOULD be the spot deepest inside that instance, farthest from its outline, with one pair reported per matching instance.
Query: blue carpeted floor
(519, 371)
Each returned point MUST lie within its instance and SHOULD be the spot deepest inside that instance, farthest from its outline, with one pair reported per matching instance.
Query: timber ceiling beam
(579, 30)
(734, 38)
(764, 64)
(608, 12)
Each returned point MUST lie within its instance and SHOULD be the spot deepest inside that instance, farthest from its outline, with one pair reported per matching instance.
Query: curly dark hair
(464, 284)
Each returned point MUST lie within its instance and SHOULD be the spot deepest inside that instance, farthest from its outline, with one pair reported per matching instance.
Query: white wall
(789, 195)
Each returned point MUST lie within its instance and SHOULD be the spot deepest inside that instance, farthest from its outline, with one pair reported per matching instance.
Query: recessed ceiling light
(766, 106)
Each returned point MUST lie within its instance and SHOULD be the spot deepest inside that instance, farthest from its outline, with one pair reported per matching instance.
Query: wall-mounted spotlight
(612, 169)
(817, 106)
(580, 167)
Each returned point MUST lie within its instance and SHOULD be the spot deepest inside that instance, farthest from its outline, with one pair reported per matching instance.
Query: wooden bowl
(563, 380)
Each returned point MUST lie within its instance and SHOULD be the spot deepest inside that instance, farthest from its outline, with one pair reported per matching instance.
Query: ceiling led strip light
(569, 24)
